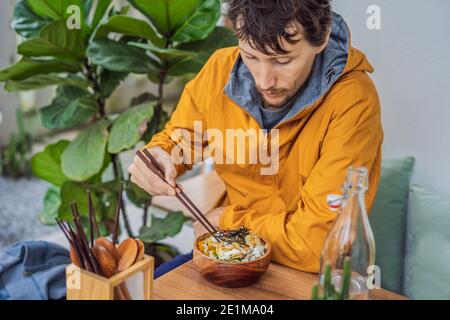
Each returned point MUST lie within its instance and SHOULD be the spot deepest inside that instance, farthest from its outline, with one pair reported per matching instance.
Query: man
(295, 73)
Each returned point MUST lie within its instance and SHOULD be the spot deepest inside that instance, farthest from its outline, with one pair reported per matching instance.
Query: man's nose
(266, 79)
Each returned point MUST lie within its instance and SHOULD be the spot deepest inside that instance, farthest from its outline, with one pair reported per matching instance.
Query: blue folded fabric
(33, 270)
(172, 264)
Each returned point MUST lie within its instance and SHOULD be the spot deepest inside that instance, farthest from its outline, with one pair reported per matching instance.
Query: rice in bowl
(236, 246)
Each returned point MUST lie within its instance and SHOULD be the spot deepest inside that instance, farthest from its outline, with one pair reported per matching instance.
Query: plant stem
(145, 215)
(91, 74)
(118, 175)
(157, 114)
(156, 121)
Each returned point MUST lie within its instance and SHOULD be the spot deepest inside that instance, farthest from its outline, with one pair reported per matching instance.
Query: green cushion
(427, 263)
(388, 220)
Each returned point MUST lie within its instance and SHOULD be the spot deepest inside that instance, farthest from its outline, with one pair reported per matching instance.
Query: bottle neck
(357, 181)
(355, 188)
(355, 210)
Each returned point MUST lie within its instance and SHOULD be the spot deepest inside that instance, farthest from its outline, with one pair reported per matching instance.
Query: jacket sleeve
(353, 137)
(178, 136)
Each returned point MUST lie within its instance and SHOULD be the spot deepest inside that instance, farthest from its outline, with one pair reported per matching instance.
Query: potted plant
(87, 63)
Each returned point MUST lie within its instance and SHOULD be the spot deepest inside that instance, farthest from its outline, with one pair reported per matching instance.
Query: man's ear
(319, 49)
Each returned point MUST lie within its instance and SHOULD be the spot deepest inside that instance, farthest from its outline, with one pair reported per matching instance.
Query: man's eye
(283, 62)
(251, 58)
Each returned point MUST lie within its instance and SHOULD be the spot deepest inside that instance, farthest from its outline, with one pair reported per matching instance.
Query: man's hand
(150, 182)
(213, 216)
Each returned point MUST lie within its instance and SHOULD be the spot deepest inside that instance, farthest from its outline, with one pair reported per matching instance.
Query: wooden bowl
(231, 274)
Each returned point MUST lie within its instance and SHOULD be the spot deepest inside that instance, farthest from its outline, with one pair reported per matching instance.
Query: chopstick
(156, 168)
(116, 220)
(181, 195)
(81, 247)
(84, 243)
(180, 189)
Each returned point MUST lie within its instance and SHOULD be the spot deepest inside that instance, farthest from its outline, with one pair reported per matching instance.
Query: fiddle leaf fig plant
(87, 64)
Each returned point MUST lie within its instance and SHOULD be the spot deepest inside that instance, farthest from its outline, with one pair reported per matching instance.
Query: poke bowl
(232, 258)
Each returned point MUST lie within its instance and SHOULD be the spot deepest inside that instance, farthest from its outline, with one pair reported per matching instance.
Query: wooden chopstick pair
(156, 168)
(78, 241)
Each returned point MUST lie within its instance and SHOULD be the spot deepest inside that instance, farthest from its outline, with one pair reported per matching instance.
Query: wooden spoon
(141, 249)
(74, 257)
(106, 255)
(104, 242)
(127, 253)
(106, 260)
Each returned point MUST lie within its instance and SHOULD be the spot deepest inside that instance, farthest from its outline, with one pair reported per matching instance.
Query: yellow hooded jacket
(340, 128)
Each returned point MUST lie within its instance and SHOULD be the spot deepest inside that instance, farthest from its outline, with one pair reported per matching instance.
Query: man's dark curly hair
(263, 22)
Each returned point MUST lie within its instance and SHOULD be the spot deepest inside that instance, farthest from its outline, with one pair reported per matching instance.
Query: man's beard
(268, 105)
(274, 106)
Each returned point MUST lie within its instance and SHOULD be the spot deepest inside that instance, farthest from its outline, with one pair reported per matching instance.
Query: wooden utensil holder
(85, 285)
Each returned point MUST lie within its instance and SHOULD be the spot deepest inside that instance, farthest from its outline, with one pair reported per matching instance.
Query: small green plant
(328, 291)
(173, 39)
(15, 158)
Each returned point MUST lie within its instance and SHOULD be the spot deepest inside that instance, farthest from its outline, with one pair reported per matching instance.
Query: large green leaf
(25, 22)
(162, 228)
(200, 24)
(221, 37)
(44, 80)
(47, 163)
(76, 192)
(110, 80)
(137, 196)
(162, 52)
(52, 201)
(131, 27)
(27, 67)
(118, 56)
(179, 61)
(185, 66)
(106, 163)
(125, 130)
(54, 9)
(109, 205)
(154, 77)
(71, 106)
(87, 7)
(55, 40)
(83, 158)
(100, 11)
(166, 15)
(107, 193)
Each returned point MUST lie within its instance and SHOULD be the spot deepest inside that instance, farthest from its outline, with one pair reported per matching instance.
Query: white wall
(411, 57)
(8, 102)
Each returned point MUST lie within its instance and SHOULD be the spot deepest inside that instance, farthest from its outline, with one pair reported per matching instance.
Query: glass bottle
(349, 244)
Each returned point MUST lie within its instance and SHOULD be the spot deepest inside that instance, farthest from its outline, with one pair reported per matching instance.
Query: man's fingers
(151, 181)
(149, 188)
(170, 173)
(166, 162)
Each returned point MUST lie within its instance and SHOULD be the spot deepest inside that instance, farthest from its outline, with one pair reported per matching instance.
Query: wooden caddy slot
(84, 285)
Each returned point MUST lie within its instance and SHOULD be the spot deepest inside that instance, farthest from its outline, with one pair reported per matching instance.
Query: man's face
(278, 77)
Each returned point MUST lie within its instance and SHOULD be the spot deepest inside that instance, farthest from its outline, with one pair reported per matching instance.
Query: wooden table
(185, 281)
(279, 283)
